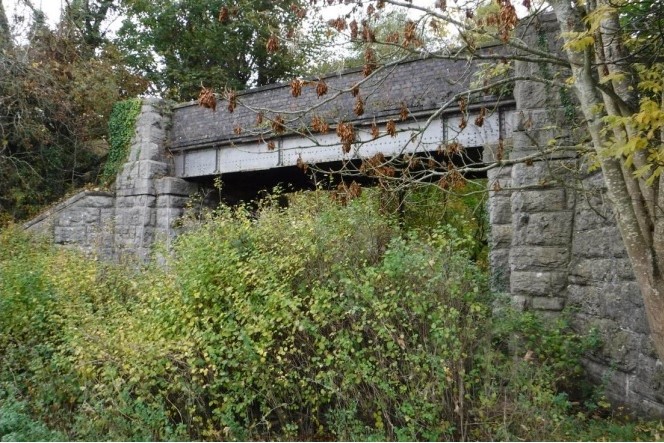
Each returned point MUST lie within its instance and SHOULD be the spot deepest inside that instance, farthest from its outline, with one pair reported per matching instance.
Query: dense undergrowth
(319, 321)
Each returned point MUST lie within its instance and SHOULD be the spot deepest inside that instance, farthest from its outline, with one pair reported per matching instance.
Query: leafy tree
(385, 27)
(185, 44)
(55, 99)
(5, 33)
(87, 20)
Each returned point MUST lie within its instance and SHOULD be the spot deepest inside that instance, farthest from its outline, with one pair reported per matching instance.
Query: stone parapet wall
(147, 200)
(83, 220)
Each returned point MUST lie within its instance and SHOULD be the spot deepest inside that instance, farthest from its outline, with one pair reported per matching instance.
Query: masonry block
(540, 200)
(548, 303)
(544, 229)
(539, 258)
(500, 210)
(500, 269)
(538, 283)
(175, 186)
(600, 243)
(592, 271)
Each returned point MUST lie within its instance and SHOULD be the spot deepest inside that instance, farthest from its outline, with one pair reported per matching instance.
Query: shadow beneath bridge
(248, 186)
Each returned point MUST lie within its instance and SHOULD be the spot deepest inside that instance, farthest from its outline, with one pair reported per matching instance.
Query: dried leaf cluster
(296, 87)
(321, 88)
(377, 166)
(346, 133)
(358, 109)
(231, 96)
(318, 124)
(370, 64)
(453, 179)
(479, 120)
(207, 99)
(375, 132)
(278, 125)
(345, 193)
(391, 128)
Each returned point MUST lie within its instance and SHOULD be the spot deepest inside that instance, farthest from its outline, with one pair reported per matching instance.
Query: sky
(52, 8)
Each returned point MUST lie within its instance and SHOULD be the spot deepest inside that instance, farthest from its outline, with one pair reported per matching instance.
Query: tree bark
(5, 33)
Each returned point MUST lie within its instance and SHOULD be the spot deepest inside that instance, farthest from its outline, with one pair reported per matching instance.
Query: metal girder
(411, 137)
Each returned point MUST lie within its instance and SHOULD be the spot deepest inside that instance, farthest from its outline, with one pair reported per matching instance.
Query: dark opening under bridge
(553, 246)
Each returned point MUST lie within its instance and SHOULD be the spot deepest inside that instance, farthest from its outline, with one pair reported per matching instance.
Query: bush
(319, 321)
(17, 425)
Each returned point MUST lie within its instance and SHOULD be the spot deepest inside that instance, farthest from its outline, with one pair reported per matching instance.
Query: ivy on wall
(121, 126)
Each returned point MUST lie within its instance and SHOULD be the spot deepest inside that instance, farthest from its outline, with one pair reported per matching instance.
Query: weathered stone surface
(500, 187)
(99, 201)
(595, 271)
(544, 229)
(533, 93)
(586, 300)
(587, 219)
(547, 117)
(541, 200)
(599, 243)
(539, 258)
(175, 186)
(501, 236)
(614, 382)
(500, 210)
(543, 283)
(500, 269)
(619, 346)
(70, 234)
(548, 303)
(540, 141)
(521, 302)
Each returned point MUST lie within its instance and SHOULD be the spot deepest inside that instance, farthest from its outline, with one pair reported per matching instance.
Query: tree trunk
(5, 34)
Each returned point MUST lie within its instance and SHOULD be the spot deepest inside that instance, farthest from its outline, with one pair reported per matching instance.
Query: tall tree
(185, 44)
(55, 100)
(5, 32)
(88, 18)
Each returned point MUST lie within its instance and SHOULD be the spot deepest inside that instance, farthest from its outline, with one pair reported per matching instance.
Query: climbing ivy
(121, 127)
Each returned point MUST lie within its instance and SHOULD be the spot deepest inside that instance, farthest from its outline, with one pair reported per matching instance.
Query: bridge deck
(206, 142)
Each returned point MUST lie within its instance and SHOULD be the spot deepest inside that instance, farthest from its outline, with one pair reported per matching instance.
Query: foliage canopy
(184, 45)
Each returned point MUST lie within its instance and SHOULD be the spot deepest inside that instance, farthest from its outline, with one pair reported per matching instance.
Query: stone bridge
(554, 242)
(206, 143)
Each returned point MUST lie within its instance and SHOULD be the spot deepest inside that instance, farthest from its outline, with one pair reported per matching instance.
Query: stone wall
(603, 295)
(84, 221)
(556, 246)
(146, 202)
(148, 198)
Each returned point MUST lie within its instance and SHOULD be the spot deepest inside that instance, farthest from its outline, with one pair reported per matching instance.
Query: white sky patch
(17, 9)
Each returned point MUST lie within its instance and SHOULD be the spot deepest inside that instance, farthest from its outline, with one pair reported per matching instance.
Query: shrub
(319, 321)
